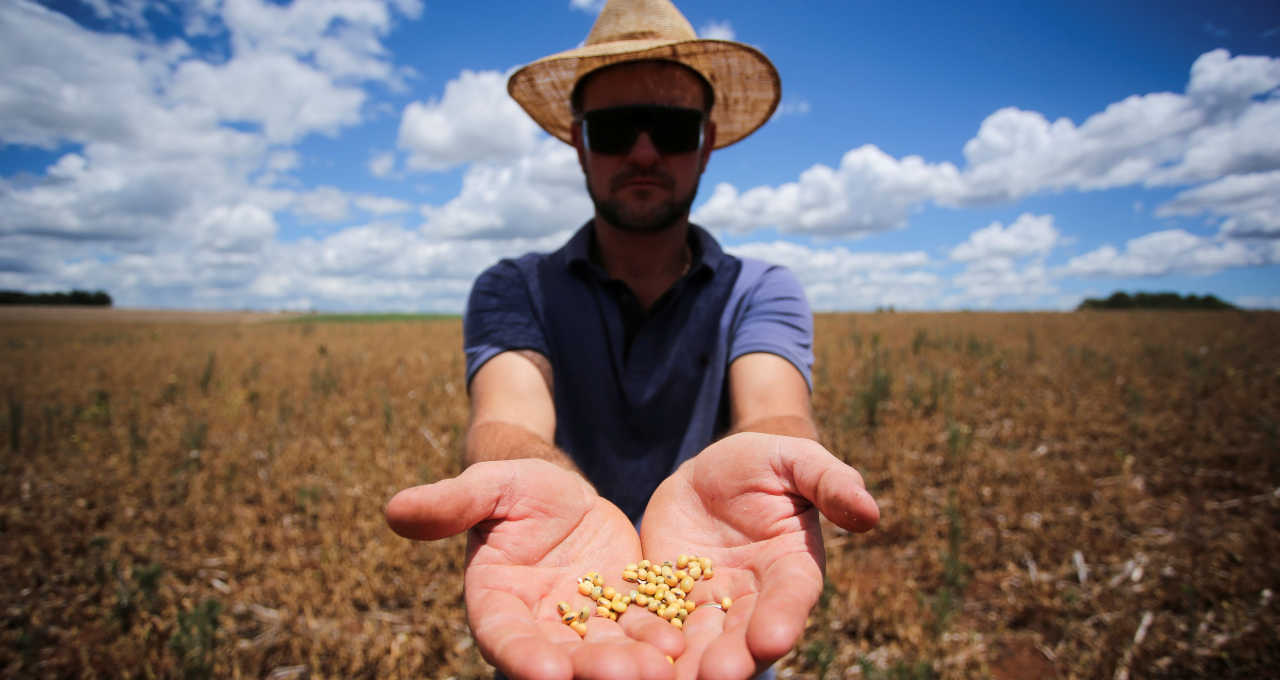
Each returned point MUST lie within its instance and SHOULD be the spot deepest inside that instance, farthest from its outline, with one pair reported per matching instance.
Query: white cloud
(716, 30)
(869, 192)
(241, 228)
(382, 205)
(538, 194)
(326, 203)
(592, 6)
(837, 278)
(1224, 124)
(288, 98)
(1028, 235)
(793, 107)
(1000, 279)
(1251, 203)
(382, 164)
(475, 121)
(1172, 251)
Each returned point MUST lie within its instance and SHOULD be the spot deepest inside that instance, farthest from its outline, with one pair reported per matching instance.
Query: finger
(727, 656)
(836, 488)
(618, 658)
(447, 507)
(790, 589)
(510, 639)
(703, 625)
(644, 626)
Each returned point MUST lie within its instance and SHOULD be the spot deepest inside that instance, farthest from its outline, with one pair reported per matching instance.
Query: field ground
(1080, 495)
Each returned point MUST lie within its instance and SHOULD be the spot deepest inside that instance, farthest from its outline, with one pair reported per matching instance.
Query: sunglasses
(614, 131)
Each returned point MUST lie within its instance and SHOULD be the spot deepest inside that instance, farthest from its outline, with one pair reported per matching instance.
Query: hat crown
(640, 20)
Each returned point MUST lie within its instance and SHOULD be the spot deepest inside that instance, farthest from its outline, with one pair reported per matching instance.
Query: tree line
(97, 298)
(1122, 300)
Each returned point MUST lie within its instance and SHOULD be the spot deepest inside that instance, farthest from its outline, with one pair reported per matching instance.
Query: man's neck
(648, 263)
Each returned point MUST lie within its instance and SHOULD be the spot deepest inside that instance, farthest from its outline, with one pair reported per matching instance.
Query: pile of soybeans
(665, 589)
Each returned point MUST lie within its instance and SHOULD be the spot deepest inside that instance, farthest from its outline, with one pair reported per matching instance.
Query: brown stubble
(1001, 442)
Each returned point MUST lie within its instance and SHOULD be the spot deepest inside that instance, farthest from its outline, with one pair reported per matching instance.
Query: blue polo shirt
(637, 392)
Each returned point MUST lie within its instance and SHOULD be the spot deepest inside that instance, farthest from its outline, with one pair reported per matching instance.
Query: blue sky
(363, 155)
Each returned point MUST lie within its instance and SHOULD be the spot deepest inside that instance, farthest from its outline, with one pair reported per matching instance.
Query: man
(601, 374)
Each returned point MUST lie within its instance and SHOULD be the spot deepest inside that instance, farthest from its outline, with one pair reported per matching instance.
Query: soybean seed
(579, 627)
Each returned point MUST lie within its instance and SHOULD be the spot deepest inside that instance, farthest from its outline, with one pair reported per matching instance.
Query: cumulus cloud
(1173, 251)
(474, 121)
(1250, 204)
(1028, 235)
(869, 192)
(382, 164)
(1224, 124)
(716, 30)
(538, 194)
(838, 278)
(326, 203)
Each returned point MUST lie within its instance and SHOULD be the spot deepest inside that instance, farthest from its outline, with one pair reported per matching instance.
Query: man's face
(643, 189)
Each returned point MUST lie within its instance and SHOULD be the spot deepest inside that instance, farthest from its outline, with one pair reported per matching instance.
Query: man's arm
(768, 394)
(512, 412)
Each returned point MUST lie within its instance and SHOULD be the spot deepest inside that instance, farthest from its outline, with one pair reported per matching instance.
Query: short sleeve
(501, 315)
(775, 318)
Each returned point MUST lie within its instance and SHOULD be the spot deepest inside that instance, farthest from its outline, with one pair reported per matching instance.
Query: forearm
(496, 440)
(786, 425)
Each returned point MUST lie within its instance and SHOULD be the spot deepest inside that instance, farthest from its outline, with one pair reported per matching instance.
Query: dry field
(1085, 495)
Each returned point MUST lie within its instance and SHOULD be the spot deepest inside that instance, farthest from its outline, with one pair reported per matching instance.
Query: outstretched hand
(535, 528)
(750, 502)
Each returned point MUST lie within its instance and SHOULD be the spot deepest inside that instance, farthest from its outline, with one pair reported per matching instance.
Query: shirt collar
(706, 251)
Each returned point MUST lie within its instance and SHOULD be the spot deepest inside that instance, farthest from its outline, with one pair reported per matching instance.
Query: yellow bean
(726, 603)
(597, 592)
(678, 624)
(579, 627)
(654, 605)
(584, 587)
(631, 567)
(679, 593)
(687, 584)
(609, 592)
(630, 575)
(569, 617)
(644, 564)
(642, 600)
(562, 607)
(682, 561)
(584, 613)
(695, 571)
(602, 610)
(705, 563)
(619, 606)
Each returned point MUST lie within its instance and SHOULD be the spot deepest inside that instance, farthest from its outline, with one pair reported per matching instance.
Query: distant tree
(98, 298)
(1164, 300)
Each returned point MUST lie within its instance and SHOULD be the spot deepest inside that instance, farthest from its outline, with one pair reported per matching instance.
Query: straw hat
(746, 84)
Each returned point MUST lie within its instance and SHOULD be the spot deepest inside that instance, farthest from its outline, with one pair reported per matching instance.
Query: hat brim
(746, 85)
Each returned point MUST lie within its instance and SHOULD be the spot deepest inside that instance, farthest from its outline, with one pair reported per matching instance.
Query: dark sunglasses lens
(672, 130)
(676, 130)
(611, 131)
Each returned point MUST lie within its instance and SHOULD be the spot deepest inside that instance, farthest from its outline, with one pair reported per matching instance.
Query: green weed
(206, 377)
(194, 639)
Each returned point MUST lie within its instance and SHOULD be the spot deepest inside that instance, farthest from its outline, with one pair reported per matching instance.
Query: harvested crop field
(1081, 495)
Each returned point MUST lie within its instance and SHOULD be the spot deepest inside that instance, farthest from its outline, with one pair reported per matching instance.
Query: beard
(643, 220)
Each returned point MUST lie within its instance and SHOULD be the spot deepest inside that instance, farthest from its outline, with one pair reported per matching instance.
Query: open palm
(535, 528)
(750, 502)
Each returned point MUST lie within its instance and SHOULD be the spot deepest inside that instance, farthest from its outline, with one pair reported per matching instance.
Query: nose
(643, 152)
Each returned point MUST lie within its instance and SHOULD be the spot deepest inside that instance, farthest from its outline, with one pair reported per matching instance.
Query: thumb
(836, 488)
(449, 506)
